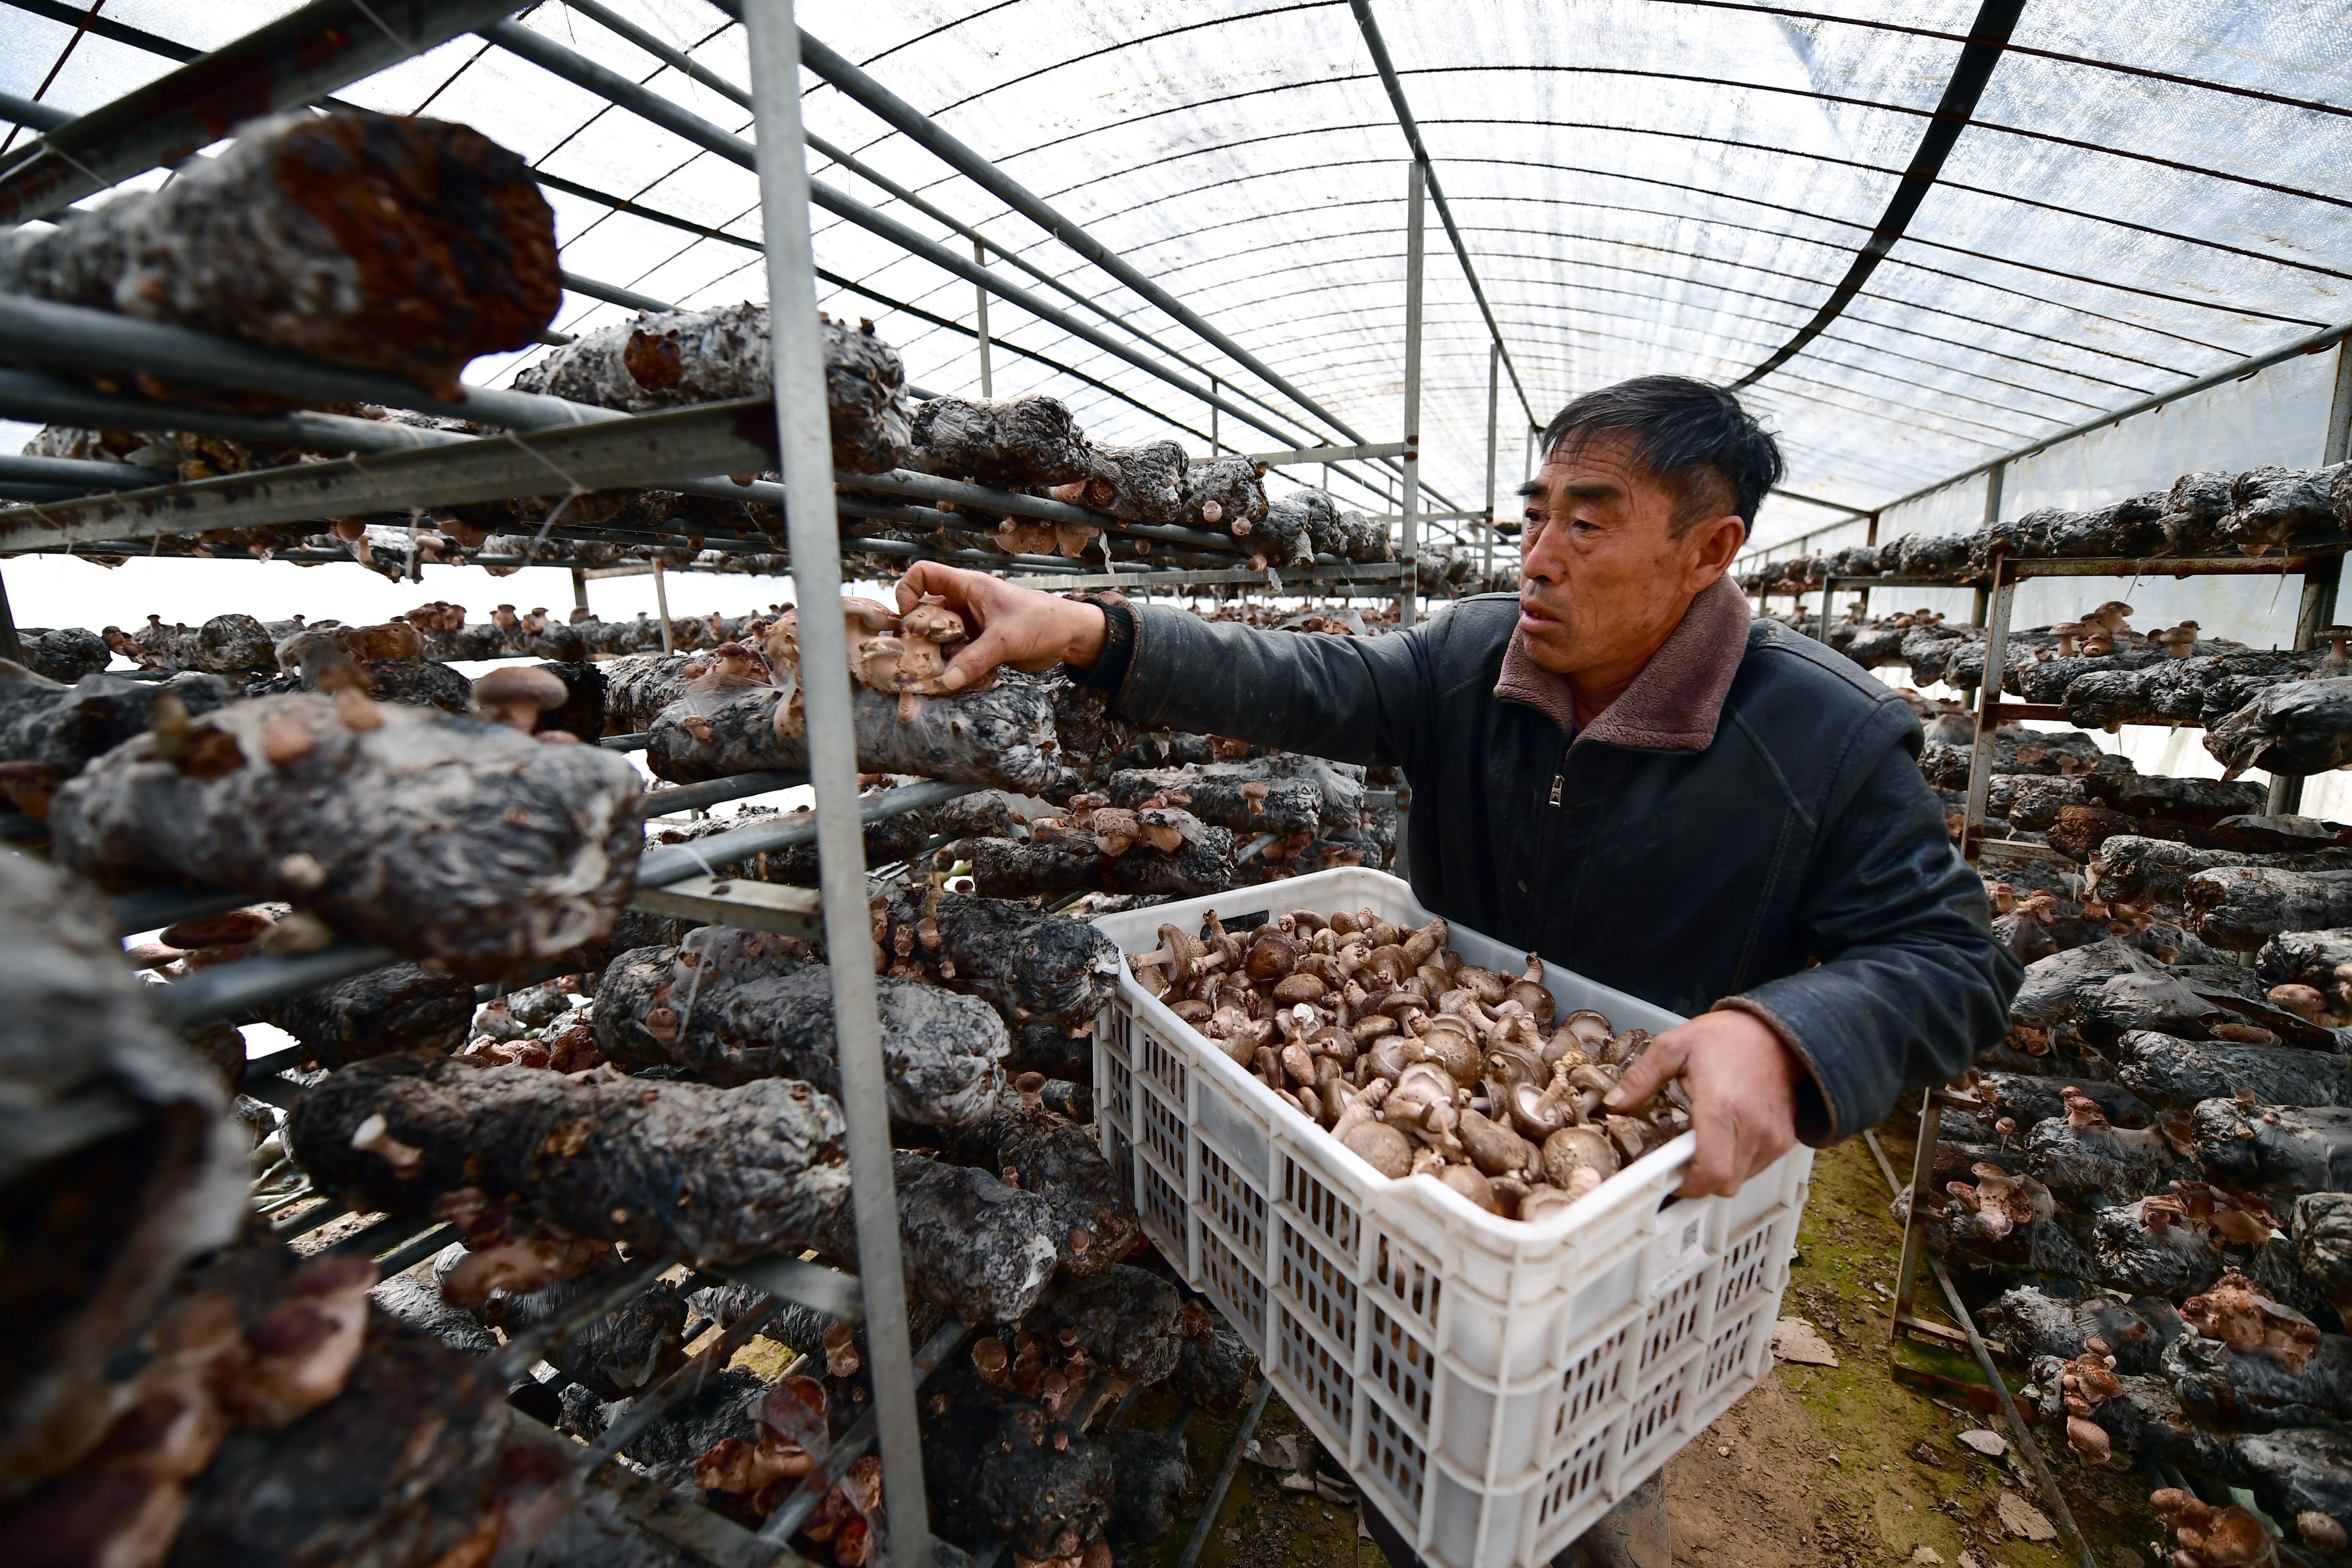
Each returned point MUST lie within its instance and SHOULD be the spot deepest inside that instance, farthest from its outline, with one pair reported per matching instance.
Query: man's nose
(1539, 558)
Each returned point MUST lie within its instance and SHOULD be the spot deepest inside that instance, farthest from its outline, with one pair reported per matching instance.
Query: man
(1624, 772)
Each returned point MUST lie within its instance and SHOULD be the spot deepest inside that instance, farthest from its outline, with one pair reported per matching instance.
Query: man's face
(1603, 577)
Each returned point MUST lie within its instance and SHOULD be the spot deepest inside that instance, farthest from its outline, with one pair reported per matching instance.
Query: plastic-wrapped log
(1283, 794)
(661, 359)
(2077, 831)
(638, 685)
(1129, 1320)
(2323, 1247)
(718, 1174)
(723, 1405)
(1040, 1152)
(2031, 1098)
(622, 1354)
(403, 244)
(48, 732)
(1001, 868)
(2145, 1417)
(2134, 1332)
(730, 1006)
(2032, 801)
(1143, 484)
(2149, 1246)
(1003, 737)
(2243, 907)
(417, 682)
(2163, 798)
(64, 655)
(2304, 958)
(400, 1007)
(998, 1468)
(2259, 1389)
(2270, 506)
(1225, 495)
(2089, 1168)
(1031, 966)
(1213, 1367)
(400, 1470)
(2302, 1477)
(445, 838)
(980, 1247)
(2273, 1148)
(2127, 869)
(120, 1165)
(1011, 446)
(231, 644)
(2299, 728)
(2177, 1075)
(417, 1301)
(1293, 529)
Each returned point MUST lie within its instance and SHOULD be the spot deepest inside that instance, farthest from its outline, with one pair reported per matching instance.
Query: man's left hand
(1742, 1083)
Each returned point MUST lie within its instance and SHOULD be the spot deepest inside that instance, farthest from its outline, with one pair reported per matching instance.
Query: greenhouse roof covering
(1916, 252)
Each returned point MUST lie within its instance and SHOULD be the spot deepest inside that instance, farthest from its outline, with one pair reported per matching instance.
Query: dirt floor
(1819, 1466)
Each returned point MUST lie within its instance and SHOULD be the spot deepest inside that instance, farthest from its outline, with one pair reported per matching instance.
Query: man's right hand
(1010, 624)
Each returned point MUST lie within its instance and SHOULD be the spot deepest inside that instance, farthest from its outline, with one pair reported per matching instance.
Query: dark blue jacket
(1745, 826)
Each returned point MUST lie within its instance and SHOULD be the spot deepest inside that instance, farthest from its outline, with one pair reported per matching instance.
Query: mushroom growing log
(622, 1354)
(2273, 1148)
(49, 732)
(65, 654)
(1031, 966)
(2302, 1477)
(638, 685)
(2243, 907)
(1029, 734)
(120, 1164)
(2134, 1332)
(1202, 863)
(719, 1174)
(2291, 730)
(661, 359)
(729, 1006)
(442, 837)
(2323, 1247)
(1017, 445)
(2087, 1164)
(2129, 869)
(980, 1247)
(1038, 1151)
(399, 1007)
(2177, 1075)
(1130, 1320)
(397, 244)
(1285, 794)
(2156, 1246)
(2258, 1366)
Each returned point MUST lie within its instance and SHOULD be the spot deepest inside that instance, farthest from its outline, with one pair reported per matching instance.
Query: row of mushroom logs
(1420, 1063)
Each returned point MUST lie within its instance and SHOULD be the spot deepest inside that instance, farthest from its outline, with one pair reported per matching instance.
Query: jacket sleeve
(1353, 700)
(1910, 983)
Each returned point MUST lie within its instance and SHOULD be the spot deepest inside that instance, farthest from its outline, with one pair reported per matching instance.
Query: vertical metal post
(2319, 586)
(579, 588)
(987, 390)
(1915, 1237)
(1409, 508)
(11, 646)
(1829, 586)
(661, 602)
(2004, 600)
(806, 446)
(1527, 468)
(1215, 446)
(1995, 479)
(1494, 382)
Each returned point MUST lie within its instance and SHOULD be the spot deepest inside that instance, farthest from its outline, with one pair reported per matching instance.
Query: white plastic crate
(1494, 1387)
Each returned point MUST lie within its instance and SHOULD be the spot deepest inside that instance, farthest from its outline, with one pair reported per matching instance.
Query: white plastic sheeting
(1642, 186)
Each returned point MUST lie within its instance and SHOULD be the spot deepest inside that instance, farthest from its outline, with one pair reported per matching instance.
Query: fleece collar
(1675, 703)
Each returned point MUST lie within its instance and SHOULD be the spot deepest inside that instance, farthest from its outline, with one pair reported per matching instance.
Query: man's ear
(1708, 550)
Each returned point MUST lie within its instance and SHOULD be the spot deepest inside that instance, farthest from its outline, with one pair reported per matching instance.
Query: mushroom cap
(521, 683)
(2069, 629)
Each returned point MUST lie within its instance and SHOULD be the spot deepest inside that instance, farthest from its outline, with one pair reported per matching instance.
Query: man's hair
(1692, 437)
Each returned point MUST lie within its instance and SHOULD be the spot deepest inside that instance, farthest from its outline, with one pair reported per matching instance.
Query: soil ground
(1817, 1468)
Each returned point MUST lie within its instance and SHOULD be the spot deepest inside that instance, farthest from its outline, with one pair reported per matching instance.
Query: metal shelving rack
(309, 53)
